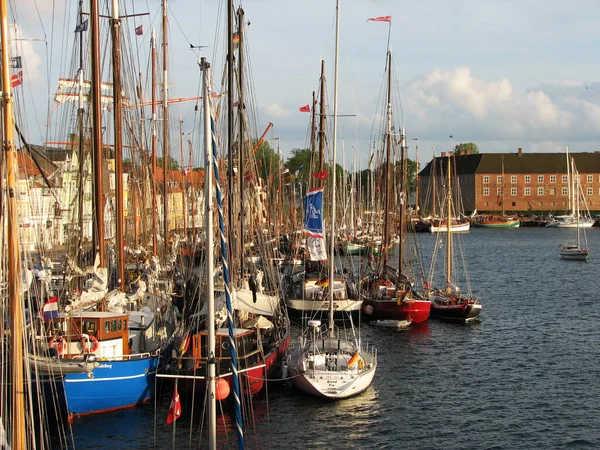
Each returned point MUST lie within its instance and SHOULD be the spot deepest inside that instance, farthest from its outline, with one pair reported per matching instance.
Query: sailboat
(494, 221)
(576, 250)
(573, 218)
(388, 293)
(326, 364)
(451, 303)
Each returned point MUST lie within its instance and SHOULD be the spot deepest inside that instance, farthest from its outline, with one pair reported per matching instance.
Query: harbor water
(525, 376)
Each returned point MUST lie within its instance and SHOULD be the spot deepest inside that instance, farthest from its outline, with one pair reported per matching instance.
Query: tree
(468, 148)
(267, 160)
(173, 163)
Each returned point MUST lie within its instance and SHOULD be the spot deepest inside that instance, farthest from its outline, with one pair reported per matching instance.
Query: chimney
(520, 152)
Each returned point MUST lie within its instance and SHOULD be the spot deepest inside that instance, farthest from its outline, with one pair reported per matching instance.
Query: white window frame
(486, 192)
(565, 179)
(513, 192)
(527, 179)
(486, 179)
(540, 179)
(513, 179)
(527, 191)
(590, 178)
(552, 178)
(540, 191)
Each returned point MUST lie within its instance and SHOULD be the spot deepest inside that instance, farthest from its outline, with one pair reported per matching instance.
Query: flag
(236, 40)
(296, 172)
(82, 27)
(353, 360)
(313, 213)
(317, 249)
(50, 308)
(139, 30)
(17, 79)
(415, 139)
(286, 170)
(15, 62)
(305, 108)
(175, 408)
(185, 342)
(380, 19)
(323, 283)
(320, 175)
(186, 171)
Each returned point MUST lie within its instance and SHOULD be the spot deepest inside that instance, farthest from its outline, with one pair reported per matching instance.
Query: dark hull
(459, 312)
(416, 311)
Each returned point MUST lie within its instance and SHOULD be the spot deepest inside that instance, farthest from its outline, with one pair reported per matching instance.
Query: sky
(500, 73)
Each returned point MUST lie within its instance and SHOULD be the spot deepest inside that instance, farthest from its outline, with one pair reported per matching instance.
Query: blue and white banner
(313, 213)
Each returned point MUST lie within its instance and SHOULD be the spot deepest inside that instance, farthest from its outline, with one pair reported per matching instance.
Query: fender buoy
(84, 341)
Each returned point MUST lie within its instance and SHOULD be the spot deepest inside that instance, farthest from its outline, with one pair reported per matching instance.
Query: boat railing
(132, 357)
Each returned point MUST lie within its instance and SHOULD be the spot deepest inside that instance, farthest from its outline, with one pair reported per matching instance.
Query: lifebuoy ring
(84, 341)
(59, 344)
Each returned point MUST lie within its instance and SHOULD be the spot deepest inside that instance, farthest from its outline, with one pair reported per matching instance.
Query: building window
(590, 191)
(552, 178)
(540, 179)
(527, 179)
(513, 191)
(540, 191)
(527, 191)
(486, 191)
(513, 179)
(565, 179)
(499, 179)
(486, 179)
(590, 178)
(565, 191)
(499, 191)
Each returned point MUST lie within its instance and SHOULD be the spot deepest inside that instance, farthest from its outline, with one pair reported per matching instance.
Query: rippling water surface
(525, 376)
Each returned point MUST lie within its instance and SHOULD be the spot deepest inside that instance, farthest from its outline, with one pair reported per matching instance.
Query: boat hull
(498, 224)
(459, 312)
(299, 309)
(415, 311)
(111, 386)
(454, 228)
(575, 255)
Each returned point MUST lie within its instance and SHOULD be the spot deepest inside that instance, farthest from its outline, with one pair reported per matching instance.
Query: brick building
(532, 182)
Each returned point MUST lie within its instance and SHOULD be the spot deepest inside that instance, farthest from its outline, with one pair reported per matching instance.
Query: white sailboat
(576, 250)
(573, 218)
(325, 364)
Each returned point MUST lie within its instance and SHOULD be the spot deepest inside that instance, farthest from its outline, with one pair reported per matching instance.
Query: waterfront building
(525, 182)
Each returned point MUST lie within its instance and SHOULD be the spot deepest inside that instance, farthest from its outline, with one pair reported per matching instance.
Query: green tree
(173, 163)
(267, 160)
(469, 147)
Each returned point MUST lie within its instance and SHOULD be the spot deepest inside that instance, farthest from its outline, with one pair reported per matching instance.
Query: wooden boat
(493, 221)
(451, 303)
(456, 226)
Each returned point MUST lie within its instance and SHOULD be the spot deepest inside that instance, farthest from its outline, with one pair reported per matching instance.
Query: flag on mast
(305, 108)
(380, 19)
(174, 408)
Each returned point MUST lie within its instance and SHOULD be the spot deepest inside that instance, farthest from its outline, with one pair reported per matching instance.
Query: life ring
(84, 341)
(59, 344)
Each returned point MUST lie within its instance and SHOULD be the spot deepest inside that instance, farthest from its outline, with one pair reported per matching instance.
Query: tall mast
(322, 120)
(230, 164)
(502, 187)
(417, 181)
(388, 145)
(99, 200)
(335, 105)
(403, 198)
(80, 111)
(154, 141)
(14, 264)
(118, 115)
(165, 124)
(183, 183)
(192, 206)
(240, 93)
(448, 230)
(210, 264)
(569, 181)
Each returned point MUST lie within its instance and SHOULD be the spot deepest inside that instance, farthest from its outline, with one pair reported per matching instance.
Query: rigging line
(182, 32)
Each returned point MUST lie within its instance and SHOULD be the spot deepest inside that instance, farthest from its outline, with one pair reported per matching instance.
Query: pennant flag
(17, 79)
(50, 308)
(380, 19)
(175, 408)
(320, 175)
(305, 108)
(353, 360)
(83, 26)
(415, 139)
(139, 30)
(15, 62)
(313, 213)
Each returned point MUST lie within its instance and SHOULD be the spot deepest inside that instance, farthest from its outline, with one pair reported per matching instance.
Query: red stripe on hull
(73, 416)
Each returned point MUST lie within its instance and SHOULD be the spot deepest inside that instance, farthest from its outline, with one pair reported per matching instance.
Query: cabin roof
(98, 315)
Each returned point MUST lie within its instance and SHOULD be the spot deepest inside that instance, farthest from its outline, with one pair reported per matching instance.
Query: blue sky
(502, 74)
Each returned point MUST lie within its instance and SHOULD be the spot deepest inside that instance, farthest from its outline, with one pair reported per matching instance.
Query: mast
(14, 264)
(80, 111)
(165, 124)
(448, 230)
(192, 192)
(230, 164)
(208, 226)
(118, 141)
(502, 187)
(183, 183)
(569, 181)
(335, 105)
(240, 13)
(403, 197)
(322, 120)
(388, 145)
(417, 181)
(99, 200)
(154, 139)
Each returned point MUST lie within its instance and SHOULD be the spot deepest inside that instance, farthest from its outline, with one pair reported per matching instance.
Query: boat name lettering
(105, 366)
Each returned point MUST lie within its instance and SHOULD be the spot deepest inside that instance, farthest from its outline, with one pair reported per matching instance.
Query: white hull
(339, 306)
(587, 224)
(323, 370)
(457, 228)
(579, 255)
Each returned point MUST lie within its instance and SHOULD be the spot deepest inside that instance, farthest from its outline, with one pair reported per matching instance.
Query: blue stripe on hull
(112, 385)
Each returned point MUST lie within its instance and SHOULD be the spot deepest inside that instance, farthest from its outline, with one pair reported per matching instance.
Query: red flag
(17, 79)
(186, 171)
(321, 175)
(139, 30)
(175, 408)
(305, 108)
(380, 19)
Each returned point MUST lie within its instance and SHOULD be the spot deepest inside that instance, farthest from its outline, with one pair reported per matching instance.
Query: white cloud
(274, 110)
